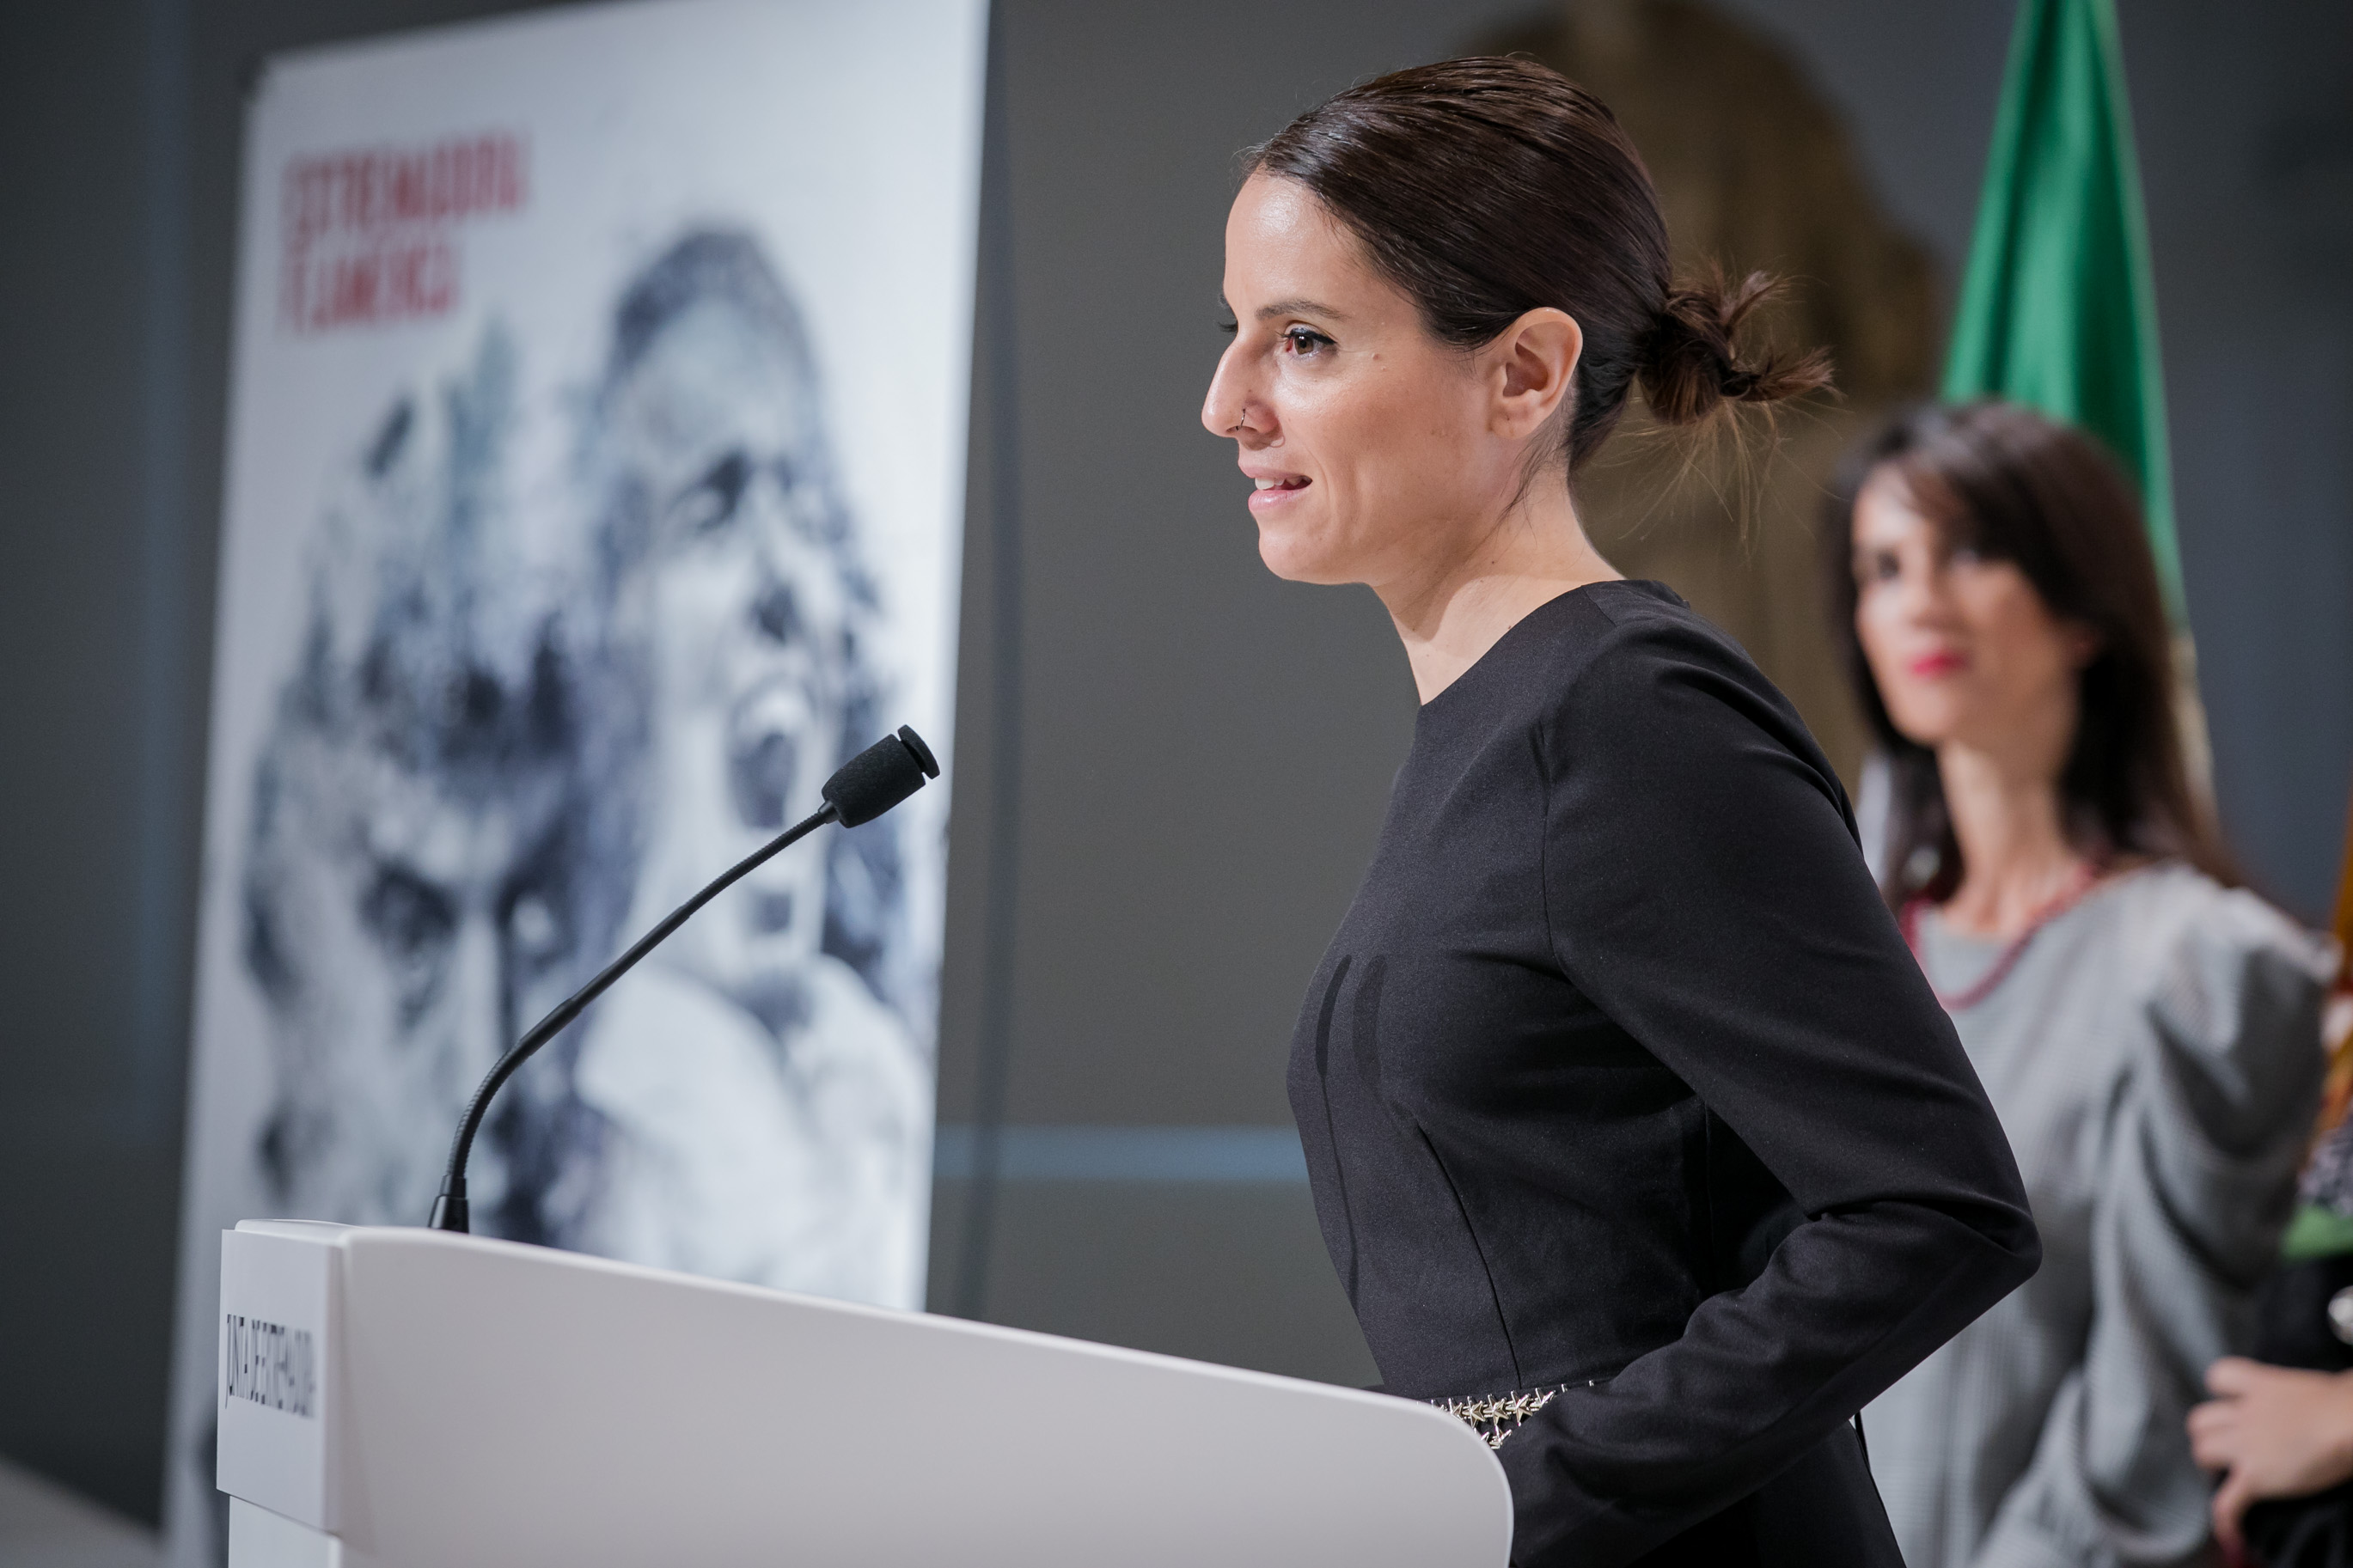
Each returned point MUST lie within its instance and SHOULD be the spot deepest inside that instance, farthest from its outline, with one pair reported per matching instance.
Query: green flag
(2058, 310)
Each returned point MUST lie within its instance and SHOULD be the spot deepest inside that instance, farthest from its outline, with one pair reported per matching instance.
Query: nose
(1233, 407)
(776, 612)
(1924, 594)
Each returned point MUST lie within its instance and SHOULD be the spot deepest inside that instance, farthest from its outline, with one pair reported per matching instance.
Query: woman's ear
(2083, 642)
(1534, 363)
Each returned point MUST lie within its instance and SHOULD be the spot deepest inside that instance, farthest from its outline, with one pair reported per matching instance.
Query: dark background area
(1172, 765)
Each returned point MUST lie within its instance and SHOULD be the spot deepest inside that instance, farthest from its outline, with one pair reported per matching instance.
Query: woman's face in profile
(1962, 646)
(1360, 428)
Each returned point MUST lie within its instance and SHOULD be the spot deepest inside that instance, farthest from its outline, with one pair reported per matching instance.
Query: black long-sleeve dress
(1619, 1076)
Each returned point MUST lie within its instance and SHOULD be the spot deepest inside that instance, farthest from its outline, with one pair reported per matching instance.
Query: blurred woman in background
(2148, 1032)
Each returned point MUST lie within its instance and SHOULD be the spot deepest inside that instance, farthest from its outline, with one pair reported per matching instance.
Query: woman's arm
(2203, 1145)
(2277, 1432)
(1704, 890)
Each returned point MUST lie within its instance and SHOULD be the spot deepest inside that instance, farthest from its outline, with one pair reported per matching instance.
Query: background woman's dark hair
(1486, 188)
(2017, 487)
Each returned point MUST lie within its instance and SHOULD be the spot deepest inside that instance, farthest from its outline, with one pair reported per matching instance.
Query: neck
(1455, 607)
(2015, 854)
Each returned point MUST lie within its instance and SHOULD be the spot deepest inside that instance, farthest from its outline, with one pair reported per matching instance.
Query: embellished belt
(1497, 1417)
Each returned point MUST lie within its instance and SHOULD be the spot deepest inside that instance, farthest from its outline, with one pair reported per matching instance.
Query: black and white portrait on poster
(595, 488)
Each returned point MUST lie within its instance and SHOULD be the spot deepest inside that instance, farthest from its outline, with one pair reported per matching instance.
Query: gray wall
(2246, 136)
(1150, 854)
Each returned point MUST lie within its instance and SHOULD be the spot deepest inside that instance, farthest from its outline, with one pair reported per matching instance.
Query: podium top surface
(474, 1400)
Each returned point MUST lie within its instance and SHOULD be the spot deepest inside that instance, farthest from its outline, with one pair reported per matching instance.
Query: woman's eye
(1878, 566)
(1304, 340)
(711, 500)
(1230, 327)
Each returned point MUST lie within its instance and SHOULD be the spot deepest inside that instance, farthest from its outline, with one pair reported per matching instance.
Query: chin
(1929, 728)
(1297, 559)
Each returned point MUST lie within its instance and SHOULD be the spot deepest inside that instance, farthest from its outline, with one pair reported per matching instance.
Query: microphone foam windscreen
(880, 777)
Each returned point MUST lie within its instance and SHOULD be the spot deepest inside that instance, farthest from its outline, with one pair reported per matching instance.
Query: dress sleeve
(2203, 1146)
(1704, 889)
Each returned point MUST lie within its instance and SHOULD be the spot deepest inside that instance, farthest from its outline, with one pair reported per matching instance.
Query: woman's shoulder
(1636, 617)
(2222, 976)
(1627, 702)
(2183, 917)
(1603, 648)
(1631, 664)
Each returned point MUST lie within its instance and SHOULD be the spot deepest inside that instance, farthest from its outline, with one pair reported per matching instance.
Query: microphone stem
(449, 1210)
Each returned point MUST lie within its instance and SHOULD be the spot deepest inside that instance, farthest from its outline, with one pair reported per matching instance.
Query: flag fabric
(2058, 309)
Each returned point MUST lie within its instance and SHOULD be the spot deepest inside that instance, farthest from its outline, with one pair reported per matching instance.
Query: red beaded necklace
(2087, 878)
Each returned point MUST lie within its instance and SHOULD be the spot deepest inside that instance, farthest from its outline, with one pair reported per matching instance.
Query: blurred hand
(2277, 1433)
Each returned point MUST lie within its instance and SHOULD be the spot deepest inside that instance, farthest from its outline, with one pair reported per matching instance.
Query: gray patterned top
(2155, 1059)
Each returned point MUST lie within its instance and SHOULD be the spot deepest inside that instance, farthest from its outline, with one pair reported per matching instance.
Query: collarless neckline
(1934, 927)
(1497, 653)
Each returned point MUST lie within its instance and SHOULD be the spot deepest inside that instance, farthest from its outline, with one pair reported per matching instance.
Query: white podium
(413, 1397)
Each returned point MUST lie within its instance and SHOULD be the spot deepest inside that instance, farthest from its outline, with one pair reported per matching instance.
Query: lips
(1945, 661)
(763, 746)
(1275, 491)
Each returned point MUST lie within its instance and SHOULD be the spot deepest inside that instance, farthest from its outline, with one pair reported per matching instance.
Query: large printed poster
(595, 488)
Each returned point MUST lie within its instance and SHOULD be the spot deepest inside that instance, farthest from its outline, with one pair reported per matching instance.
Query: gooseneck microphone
(865, 787)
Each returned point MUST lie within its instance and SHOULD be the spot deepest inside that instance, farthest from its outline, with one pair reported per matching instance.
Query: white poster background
(845, 141)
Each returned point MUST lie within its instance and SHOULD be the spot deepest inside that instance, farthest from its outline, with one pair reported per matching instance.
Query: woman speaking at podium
(1635, 1134)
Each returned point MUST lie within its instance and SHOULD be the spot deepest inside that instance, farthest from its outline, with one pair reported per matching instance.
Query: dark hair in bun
(1486, 188)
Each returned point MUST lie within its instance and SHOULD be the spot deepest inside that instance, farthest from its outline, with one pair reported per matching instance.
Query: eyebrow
(1300, 307)
(1290, 308)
